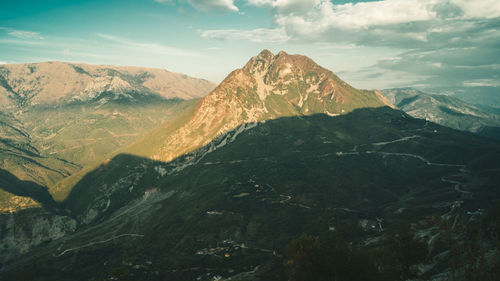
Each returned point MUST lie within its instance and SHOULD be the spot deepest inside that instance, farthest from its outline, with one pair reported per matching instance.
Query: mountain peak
(282, 53)
(268, 87)
(265, 54)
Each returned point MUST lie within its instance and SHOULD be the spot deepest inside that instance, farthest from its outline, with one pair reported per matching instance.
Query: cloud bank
(436, 41)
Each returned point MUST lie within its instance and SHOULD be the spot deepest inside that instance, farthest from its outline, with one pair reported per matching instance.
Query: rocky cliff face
(49, 82)
(269, 86)
(19, 232)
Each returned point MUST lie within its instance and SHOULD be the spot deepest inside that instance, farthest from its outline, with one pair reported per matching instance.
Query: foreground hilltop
(268, 87)
(230, 215)
(50, 82)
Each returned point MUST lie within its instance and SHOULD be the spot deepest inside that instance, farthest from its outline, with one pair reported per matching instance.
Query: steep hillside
(47, 144)
(60, 118)
(21, 161)
(23, 85)
(445, 110)
(229, 215)
(269, 86)
(85, 134)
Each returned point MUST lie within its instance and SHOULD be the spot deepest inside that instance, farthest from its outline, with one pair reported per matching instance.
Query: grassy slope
(22, 159)
(164, 116)
(84, 136)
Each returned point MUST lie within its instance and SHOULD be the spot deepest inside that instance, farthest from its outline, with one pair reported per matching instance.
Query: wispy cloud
(25, 42)
(206, 5)
(482, 83)
(143, 47)
(25, 34)
(259, 35)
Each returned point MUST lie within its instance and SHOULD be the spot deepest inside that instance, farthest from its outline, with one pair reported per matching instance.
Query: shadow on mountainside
(126, 177)
(248, 196)
(14, 185)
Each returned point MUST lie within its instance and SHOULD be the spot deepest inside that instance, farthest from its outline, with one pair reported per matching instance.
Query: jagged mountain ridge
(269, 86)
(23, 85)
(444, 110)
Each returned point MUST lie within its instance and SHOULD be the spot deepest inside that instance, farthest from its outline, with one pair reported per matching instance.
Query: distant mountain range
(23, 85)
(226, 185)
(478, 95)
(58, 118)
(444, 110)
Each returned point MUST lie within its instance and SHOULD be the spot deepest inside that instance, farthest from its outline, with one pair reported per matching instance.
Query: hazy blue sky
(377, 44)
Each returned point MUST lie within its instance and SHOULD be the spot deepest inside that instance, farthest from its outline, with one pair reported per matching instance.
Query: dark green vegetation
(446, 110)
(229, 209)
(340, 255)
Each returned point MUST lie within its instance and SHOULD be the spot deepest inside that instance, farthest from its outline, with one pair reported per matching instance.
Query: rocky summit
(268, 87)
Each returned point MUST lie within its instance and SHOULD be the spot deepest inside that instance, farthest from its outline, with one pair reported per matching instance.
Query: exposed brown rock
(49, 82)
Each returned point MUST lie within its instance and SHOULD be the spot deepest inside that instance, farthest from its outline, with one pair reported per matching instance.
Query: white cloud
(260, 35)
(482, 83)
(148, 47)
(478, 9)
(484, 66)
(311, 18)
(286, 6)
(205, 5)
(24, 34)
(325, 16)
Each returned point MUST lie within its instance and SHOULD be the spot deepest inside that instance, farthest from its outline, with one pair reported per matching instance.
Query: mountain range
(444, 110)
(57, 118)
(57, 82)
(233, 186)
